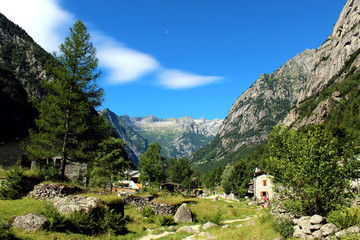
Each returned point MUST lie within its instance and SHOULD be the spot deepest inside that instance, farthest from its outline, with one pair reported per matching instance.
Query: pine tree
(68, 124)
(110, 161)
(152, 165)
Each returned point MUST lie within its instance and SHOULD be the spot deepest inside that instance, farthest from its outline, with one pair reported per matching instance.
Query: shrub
(83, 222)
(56, 221)
(345, 218)
(266, 216)
(283, 226)
(113, 222)
(166, 220)
(6, 232)
(11, 187)
(146, 211)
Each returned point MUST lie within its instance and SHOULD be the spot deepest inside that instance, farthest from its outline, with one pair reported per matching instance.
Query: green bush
(11, 187)
(283, 226)
(166, 220)
(266, 216)
(113, 222)
(83, 222)
(56, 221)
(6, 232)
(345, 218)
(146, 211)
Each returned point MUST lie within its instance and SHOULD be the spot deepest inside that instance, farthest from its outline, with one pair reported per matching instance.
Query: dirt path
(149, 237)
(237, 220)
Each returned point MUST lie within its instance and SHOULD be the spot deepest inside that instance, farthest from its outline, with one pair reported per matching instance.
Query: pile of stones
(143, 201)
(50, 191)
(314, 227)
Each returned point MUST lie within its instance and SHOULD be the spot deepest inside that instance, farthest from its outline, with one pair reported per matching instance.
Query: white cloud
(48, 23)
(123, 64)
(44, 20)
(176, 79)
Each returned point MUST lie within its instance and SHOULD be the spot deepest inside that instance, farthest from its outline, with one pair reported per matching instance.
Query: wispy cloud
(48, 23)
(175, 79)
(45, 21)
(124, 64)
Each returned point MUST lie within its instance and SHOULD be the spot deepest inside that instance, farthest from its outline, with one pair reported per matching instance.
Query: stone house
(261, 184)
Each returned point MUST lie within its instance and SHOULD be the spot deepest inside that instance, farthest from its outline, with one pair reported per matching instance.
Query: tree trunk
(66, 138)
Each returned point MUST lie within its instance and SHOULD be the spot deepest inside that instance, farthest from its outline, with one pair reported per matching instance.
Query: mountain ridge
(179, 137)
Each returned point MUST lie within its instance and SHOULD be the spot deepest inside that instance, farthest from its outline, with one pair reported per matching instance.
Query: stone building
(261, 184)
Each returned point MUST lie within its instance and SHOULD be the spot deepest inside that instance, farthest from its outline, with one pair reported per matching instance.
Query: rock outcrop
(70, 204)
(275, 98)
(30, 222)
(183, 214)
(258, 109)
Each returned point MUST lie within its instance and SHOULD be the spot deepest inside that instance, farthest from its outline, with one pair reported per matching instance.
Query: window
(264, 182)
(263, 194)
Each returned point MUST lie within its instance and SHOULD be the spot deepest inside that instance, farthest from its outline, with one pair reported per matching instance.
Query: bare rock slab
(30, 222)
(183, 214)
(77, 203)
(208, 225)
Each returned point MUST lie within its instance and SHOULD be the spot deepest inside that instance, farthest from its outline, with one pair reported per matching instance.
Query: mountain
(292, 95)
(179, 137)
(22, 64)
(335, 60)
(22, 67)
(135, 143)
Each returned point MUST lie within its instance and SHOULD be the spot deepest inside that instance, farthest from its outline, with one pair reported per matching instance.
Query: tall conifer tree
(67, 119)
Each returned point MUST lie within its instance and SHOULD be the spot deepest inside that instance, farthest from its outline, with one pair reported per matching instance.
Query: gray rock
(206, 235)
(298, 233)
(208, 225)
(351, 230)
(30, 222)
(171, 229)
(316, 226)
(328, 229)
(317, 219)
(317, 234)
(226, 226)
(239, 226)
(183, 214)
(305, 226)
(77, 203)
(251, 222)
(190, 229)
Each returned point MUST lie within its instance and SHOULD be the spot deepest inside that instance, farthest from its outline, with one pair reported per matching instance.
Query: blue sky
(174, 58)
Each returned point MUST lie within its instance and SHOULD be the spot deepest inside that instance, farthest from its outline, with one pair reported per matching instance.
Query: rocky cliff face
(178, 137)
(258, 109)
(280, 96)
(329, 61)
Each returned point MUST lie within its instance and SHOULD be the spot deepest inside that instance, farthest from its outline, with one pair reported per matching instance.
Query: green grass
(9, 209)
(138, 226)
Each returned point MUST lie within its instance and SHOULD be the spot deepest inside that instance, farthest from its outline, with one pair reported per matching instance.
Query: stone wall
(49, 191)
(159, 208)
(78, 171)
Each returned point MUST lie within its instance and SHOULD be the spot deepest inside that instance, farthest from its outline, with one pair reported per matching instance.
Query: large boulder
(30, 222)
(183, 214)
(77, 203)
